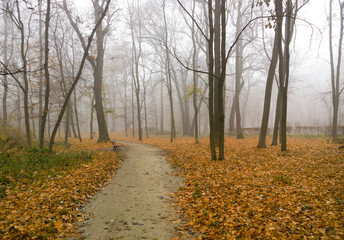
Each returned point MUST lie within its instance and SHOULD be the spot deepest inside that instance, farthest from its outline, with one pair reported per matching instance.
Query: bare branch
(193, 19)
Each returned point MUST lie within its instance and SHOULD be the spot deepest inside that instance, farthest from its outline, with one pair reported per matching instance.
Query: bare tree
(77, 77)
(136, 57)
(97, 63)
(335, 74)
(16, 17)
(267, 98)
(47, 76)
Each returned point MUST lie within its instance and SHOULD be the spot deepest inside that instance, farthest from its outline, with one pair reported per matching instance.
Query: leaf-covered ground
(260, 193)
(46, 204)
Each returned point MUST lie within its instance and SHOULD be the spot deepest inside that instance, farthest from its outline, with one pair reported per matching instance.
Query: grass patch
(282, 178)
(37, 163)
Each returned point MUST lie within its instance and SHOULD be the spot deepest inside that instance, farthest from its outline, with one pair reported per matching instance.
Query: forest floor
(135, 204)
(142, 192)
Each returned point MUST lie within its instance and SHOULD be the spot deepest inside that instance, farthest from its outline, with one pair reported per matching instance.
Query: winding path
(135, 203)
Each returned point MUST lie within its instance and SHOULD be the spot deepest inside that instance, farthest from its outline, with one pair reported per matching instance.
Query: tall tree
(168, 73)
(97, 63)
(336, 66)
(6, 63)
(46, 75)
(289, 15)
(16, 17)
(267, 98)
(195, 75)
(78, 75)
(136, 38)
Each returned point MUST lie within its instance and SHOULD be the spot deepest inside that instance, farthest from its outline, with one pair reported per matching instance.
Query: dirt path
(135, 203)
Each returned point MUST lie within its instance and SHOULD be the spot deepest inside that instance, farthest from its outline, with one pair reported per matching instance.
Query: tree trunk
(221, 83)
(277, 123)
(239, 84)
(91, 118)
(6, 62)
(195, 76)
(232, 117)
(40, 90)
(335, 75)
(132, 107)
(75, 81)
(126, 104)
(76, 113)
(67, 129)
(136, 55)
(98, 75)
(47, 77)
(162, 109)
(267, 99)
(217, 69)
(169, 76)
(211, 81)
(145, 110)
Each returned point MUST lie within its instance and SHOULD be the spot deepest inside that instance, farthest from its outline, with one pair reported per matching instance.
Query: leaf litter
(259, 193)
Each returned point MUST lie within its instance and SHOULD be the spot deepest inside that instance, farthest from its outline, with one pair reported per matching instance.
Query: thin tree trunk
(277, 123)
(19, 114)
(217, 69)
(232, 117)
(76, 113)
(6, 62)
(67, 131)
(126, 104)
(72, 122)
(132, 107)
(162, 109)
(91, 118)
(86, 49)
(40, 90)
(195, 76)
(46, 75)
(145, 110)
(267, 99)
(211, 80)
(221, 83)
(335, 75)
(238, 75)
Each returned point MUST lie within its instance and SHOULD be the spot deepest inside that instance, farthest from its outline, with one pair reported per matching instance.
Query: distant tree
(15, 14)
(6, 63)
(136, 38)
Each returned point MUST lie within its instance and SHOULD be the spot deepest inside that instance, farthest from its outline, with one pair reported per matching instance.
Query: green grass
(36, 163)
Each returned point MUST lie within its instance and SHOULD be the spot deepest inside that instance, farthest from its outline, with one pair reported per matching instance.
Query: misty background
(137, 31)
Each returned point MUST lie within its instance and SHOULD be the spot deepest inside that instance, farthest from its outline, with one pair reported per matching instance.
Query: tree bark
(47, 77)
(77, 77)
(195, 76)
(267, 98)
(98, 74)
(91, 118)
(162, 109)
(211, 81)
(217, 69)
(335, 75)
(6, 62)
(97, 64)
(277, 123)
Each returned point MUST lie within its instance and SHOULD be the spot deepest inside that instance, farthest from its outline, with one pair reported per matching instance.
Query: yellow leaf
(58, 224)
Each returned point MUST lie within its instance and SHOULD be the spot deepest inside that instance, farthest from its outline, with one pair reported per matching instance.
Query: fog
(136, 49)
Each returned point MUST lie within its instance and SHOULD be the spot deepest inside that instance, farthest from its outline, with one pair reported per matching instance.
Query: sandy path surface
(135, 204)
